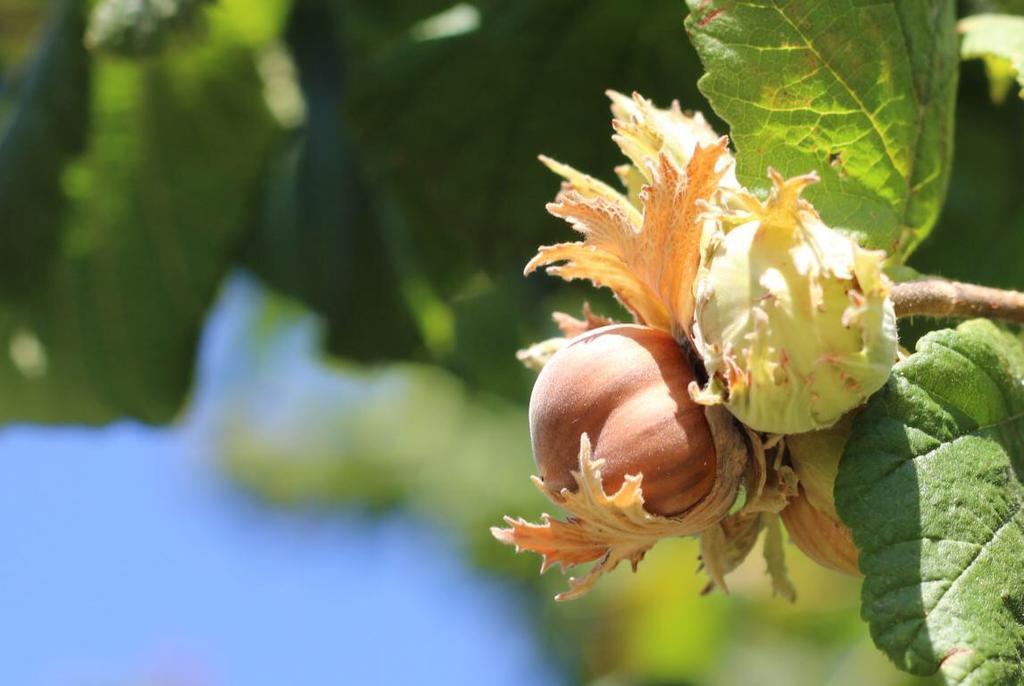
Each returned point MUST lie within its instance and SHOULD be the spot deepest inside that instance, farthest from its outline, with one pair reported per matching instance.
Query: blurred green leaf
(156, 209)
(395, 202)
(930, 484)
(449, 125)
(803, 92)
(998, 39)
(43, 127)
(318, 236)
(138, 27)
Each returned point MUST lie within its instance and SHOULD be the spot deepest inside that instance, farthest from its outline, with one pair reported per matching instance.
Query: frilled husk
(608, 529)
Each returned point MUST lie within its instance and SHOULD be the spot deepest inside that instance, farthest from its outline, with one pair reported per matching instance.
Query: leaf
(442, 220)
(802, 94)
(319, 236)
(45, 127)
(138, 27)
(449, 129)
(155, 212)
(998, 39)
(930, 484)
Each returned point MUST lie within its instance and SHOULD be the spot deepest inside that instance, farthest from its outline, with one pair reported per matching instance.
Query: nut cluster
(789, 325)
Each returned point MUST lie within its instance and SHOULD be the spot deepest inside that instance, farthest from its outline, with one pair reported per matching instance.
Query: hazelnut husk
(793, 318)
(625, 386)
(825, 540)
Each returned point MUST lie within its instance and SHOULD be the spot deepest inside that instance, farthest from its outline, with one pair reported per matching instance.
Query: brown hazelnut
(625, 386)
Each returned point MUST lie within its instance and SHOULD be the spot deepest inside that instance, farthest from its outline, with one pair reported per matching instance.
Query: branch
(933, 297)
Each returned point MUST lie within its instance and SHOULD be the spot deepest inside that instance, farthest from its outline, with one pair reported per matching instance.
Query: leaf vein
(956, 580)
(837, 77)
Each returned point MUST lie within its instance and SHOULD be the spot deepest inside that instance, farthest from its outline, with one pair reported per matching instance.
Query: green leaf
(319, 237)
(400, 202)
(156, 208)
(138, 27)
(930, 484)
(999, 40)
(45, 126)
(449, 127)
(861, 92)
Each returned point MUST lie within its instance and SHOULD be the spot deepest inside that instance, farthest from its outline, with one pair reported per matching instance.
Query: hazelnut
(625, 386)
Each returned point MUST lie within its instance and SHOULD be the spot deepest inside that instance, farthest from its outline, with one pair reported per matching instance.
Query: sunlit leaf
(802, 93)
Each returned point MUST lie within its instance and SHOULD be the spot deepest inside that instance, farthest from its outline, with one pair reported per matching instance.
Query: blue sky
(127, 560)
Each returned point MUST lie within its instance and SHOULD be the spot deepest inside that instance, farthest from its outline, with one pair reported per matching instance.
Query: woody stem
(931, 297)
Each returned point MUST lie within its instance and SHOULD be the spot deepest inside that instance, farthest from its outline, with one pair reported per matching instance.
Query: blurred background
(260, 297)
